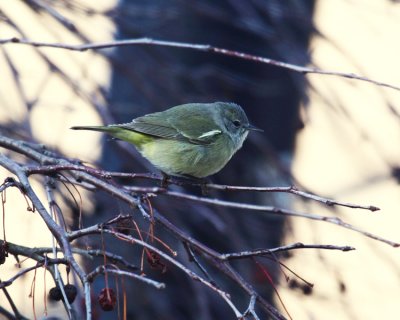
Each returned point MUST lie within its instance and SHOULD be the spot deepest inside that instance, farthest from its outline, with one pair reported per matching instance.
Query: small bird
(194, 139)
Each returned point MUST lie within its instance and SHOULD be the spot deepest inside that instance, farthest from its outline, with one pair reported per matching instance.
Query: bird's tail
(93, 128)
(136, 138)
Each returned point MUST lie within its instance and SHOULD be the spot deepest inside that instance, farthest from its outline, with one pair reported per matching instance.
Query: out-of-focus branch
(5, 313)
(199, 47)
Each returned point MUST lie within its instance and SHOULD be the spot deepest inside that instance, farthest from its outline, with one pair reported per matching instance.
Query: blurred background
(332, 136)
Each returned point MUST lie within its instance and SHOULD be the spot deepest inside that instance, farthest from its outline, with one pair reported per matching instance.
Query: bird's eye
(236, 123)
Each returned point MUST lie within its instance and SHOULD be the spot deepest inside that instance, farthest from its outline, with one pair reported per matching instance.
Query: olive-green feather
(198, 119)
(177, 124)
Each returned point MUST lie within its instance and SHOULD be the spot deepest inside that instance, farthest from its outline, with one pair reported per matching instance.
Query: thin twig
(251, 309)
(194, 46)
(55, 14)
(151, 176)
(34, 252)
(193, 258)
(298, 245)
(280, 211)
(190, 273)
(293, 190)
(8, 282)
(104, 269)
(49, 184)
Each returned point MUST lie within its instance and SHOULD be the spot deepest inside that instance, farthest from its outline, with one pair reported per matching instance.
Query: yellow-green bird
(194, 139)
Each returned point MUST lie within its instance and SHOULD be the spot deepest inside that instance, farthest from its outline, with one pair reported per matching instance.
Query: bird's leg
(203, 186)
(165, 180)
(204, 190)
(185, 180)
(201, 182)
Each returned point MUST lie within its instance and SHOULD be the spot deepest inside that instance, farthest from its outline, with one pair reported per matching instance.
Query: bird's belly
(183, 158)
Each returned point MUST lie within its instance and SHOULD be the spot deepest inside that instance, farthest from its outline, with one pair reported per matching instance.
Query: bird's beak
(253, 128)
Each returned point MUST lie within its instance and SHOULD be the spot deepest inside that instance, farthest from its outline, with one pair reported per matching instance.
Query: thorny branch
(51, 164)
(198, 47)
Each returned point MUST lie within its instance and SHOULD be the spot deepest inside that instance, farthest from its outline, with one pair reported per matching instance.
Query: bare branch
(8, 282)
(151, 176)
(54, 228)
(193, 258)
(104, 269)
(293, 190)
(134, 196)
(298, 245)
(279, 211)
(199, 47)
(55, 14)
(83, 176)
(251, 309)
(190, 273)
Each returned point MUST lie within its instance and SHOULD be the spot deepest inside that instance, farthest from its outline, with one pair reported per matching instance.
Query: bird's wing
(195, 126)
(153, 124)
(198, 125)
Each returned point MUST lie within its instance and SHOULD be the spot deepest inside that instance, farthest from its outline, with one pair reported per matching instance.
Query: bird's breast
(184, 158)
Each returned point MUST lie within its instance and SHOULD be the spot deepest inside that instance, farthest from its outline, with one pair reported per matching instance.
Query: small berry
(124, 226)
(3, 252)
(55, 294)
(107, 299)
(155, 262)
(70, 292)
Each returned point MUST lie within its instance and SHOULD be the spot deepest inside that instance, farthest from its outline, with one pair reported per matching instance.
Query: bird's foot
(165, 180)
